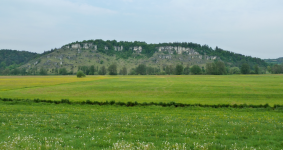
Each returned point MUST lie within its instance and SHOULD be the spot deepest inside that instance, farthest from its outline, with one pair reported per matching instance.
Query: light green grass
(50, 126)
(237, 89)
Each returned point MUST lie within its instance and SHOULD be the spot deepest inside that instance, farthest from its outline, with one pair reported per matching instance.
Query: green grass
(236, 89)
(31, 125)
(50, 126)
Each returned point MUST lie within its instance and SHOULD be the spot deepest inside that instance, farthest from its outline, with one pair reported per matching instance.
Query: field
(238, 89)
(62, 126)
(31, 125)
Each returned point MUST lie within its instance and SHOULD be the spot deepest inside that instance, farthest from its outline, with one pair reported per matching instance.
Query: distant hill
(131, 54)
(14, 57)
(274, 61)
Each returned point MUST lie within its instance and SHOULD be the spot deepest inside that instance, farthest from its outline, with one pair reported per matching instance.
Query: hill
(14, 58)
(274, 61)
(74, 56)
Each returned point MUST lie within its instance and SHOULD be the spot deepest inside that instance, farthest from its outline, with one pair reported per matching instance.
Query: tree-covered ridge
(230, 58)
(275, 61)
(14, 57)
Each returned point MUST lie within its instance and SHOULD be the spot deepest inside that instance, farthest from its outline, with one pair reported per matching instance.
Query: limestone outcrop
(178, 49)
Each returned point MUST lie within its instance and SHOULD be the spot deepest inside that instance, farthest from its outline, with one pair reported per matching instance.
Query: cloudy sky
(249, 27)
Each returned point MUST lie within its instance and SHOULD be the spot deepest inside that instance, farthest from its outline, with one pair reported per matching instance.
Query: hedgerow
(132, 104)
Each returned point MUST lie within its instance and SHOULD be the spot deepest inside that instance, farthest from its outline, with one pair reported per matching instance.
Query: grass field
(238, 89)
(31, 125)
(63, 126)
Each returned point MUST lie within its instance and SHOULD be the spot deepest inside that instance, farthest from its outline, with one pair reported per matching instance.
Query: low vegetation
(209, 89)
(27, 125)
(80, 74)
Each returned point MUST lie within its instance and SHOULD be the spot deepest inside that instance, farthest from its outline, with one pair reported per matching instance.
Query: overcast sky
(249, 27)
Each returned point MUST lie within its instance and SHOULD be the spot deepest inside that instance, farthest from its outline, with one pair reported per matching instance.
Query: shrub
(80, 74)
(195, 70)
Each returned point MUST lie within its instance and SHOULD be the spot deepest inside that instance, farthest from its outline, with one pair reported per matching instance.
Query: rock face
(178, 49)
(137, 49)
(118, 48)
(84, 45)
(76, 46)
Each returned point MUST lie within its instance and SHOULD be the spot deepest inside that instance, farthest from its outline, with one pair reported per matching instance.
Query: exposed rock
(177, 49)
(137, 49)
(76, 46)
(118, 48)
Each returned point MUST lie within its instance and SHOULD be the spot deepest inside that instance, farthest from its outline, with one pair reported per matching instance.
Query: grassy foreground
(238, 89)
(50, 126)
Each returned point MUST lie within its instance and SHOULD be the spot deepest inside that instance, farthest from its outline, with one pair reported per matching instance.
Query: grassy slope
(89, 57)
(250, 89)
(44, 126)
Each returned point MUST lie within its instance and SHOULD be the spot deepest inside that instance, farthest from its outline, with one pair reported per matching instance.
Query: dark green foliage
(102, 70)
(179, 69)
(80, 74)
(133, 71)
(150, 71)
(245, 68)
(256, 69)
(235, 70)
(92, 70)
(5, 72)
(277, 69)
(14, 57)
(130, 104)
(141, 69)
(216, 68)
(24, 72)
(88, 70)
(187, 70)
(169, 69)
(112, 69)
(56, 71)
(63, 71)
(123, 71)
(42, 71)
(195, 70)
(15, 71)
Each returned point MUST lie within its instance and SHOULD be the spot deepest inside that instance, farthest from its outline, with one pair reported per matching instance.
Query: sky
(249, 27)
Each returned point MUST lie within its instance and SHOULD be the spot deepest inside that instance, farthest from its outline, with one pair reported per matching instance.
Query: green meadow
(27, 124)
(232, 89)
(62, 126)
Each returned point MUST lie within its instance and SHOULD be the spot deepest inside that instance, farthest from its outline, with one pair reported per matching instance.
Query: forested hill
(275, 61)
(111, 47)
(162, 57)
(14, 58)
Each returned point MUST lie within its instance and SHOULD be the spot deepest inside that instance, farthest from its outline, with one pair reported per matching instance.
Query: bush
(80, 74)
(195, 70)
(63, 71)
(179, 69)
(245, 68)
(112, 69)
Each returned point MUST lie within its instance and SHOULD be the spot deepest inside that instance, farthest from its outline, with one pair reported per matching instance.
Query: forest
(11, 59)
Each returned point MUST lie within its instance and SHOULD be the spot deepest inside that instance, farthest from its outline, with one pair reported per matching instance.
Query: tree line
(214, 68)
